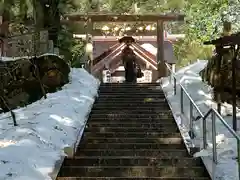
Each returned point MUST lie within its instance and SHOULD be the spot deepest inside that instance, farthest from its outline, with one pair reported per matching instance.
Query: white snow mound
(30, 150)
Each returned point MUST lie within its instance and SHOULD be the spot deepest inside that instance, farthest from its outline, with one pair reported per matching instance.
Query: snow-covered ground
(5, 59)
(226, 167)
(31, 150)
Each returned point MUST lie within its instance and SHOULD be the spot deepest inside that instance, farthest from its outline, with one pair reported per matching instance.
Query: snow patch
(31, 150)
(150, 48)
(227, 166)
(5, 58)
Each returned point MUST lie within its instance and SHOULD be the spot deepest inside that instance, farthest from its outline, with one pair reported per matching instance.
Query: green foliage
(204, 20)
(65, 43)
(77, 53)
(189, 51)
(233, 14)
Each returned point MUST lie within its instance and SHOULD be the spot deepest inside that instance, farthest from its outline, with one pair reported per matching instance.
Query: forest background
(203, 21)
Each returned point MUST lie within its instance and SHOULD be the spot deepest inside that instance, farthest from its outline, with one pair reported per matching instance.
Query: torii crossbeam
(124, 17)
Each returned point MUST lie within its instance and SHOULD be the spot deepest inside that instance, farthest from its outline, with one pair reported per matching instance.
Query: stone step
(136, 93)
(132, 87)
(128, 122)
(153, 87)
(106, 129)
(116, 88)
(143, 106)
(130, 111)
(132, 124)
(118, 104)
(133, 134)
(129, 89)
(167, 144)
(155, 113)
(112, 86)
(131, 92)
(116, 161)
(129, 85)
(143, 92)
(130, 108)
(132, 84)
(124, 103)
(154, 153)
(138, 141)
(138, 115)
(143, 110)
(165, 114)
(131, 103)
(132, 98)
(131, 178)
(135, 171)
(131, 118)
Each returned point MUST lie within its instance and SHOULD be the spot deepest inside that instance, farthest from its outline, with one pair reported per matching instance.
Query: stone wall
(19, 83)
(23, 45)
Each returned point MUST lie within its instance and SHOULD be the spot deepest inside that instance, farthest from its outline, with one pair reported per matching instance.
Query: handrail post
(204, 133)
(238, 159)
(175, 85)
(191, 120)
(170, 76)
(214, 148)
(181, 100)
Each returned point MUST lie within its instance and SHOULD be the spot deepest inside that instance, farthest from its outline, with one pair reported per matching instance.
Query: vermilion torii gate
(153, 18)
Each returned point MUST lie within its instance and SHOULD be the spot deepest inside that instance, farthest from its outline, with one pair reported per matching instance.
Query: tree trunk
(52, 19)
(39, 24)
(20, 83)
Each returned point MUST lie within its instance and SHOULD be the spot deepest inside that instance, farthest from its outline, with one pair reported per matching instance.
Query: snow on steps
(34, 149)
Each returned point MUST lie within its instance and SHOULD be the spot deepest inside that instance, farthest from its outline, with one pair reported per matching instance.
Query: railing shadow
(212, 123)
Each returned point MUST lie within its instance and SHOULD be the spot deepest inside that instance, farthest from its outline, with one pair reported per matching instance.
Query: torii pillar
(161, 71)
(160, 50)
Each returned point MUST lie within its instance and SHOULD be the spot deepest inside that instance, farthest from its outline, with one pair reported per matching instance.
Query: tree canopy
(204, 19)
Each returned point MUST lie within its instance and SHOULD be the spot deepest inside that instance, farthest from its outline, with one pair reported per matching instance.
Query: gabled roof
(110, 55)
(116, 61)
(102, 43)
(107, 59)
(169, 56)
(105, 53)
(112, 58)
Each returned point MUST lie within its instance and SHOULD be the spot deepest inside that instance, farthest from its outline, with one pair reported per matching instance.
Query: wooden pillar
(160, 49)
(173, 70)
(2, 43)
(89, 44)
(100, 76)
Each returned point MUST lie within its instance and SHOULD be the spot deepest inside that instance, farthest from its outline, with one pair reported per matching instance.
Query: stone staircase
(131, 134)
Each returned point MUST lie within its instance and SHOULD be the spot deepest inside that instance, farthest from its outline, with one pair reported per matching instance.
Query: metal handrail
(211, 112)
